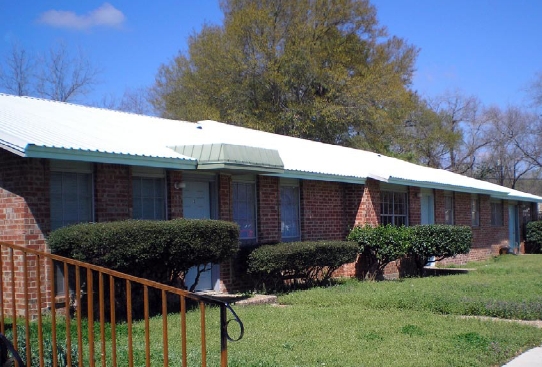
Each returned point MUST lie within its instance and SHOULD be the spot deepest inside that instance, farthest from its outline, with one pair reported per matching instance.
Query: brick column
(353, 194)
(24, 220)
(225, 212)
(225, 198)
(440, 207)
(370, 204)
(175, 196)
(268, 193)
(414, 206)
(113, 192)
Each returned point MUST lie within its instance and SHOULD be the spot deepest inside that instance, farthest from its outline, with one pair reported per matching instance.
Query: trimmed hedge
(384, 244)
(157, 250)
(308, 262)
(438, 240)
(534, 236)
(380, 245)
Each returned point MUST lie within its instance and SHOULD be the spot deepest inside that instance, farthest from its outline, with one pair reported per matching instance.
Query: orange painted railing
(95, 303)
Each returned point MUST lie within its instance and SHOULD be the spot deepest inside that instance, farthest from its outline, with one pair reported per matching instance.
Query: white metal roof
(301, 157)
(40, 128)
(325, 161)
(35, 127)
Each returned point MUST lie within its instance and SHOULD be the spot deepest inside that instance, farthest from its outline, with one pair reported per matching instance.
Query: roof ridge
(85, 106)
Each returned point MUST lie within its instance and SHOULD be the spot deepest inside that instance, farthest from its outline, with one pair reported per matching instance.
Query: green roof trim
(505, 194)
(233, 157)
(35, 151)
(303, 175)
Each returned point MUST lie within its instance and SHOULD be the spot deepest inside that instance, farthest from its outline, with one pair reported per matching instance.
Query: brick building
(62, 163)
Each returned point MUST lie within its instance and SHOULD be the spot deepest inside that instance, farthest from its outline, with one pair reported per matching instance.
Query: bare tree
(135, 100)
(509, 157)
(17, 76)
(64, 77)
(528, 141)
(534, 90)
(461, 115)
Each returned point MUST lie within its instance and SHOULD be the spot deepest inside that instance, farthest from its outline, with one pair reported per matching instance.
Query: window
(289, 212)
(475, 211)
(148, 198)
(70, 202)
(496, 213)
(148, 193)
(70, 194)
(244, 209)
(393, 208)
(449, 209)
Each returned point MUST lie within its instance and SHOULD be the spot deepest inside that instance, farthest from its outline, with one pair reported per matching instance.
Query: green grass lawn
(408, 322)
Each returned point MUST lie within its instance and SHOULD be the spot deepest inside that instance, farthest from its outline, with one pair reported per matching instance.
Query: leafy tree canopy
(323, 70)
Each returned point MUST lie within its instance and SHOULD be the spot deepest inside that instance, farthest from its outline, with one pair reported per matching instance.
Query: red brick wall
(363, 207)
(440, 207)
(354, 206)
(487, 239)
(414, 206)
(322, 211)
(225, 198)
(462, 213)
(328, 209)
(112, 192)
(268, 206)
(370, 204)
(24, 220)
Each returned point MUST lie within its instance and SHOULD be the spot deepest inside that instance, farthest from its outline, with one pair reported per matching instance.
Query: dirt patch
(258, 299)
(535, 323)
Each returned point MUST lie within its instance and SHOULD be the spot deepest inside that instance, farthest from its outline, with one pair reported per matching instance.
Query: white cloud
(104, 16)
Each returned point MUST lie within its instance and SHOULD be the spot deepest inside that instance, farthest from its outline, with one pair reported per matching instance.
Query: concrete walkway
(531, 358)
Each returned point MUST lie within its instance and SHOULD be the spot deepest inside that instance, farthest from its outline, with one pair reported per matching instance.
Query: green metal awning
(233, 157)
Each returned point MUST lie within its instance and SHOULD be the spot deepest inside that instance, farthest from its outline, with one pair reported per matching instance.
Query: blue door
(513, 228)
(197, 205)
(427, 203)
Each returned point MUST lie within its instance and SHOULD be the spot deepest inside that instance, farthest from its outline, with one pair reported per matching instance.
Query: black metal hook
(238, 321)
(11, 348)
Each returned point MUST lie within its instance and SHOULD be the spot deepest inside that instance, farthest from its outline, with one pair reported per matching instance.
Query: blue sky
(487, 48)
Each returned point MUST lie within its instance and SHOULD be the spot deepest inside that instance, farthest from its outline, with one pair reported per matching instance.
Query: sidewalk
(531, 358)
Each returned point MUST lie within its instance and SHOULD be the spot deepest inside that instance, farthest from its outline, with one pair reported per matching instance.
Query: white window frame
(157, 176)
(290, 215)
(449, 208)
(391, 196)
(248, 225)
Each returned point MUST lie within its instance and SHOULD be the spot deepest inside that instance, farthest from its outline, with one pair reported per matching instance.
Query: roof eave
(302, 175)
(34, 151)
(440, 186)
(530, 199)
(229, 166)
(470, 190)
(12, 148)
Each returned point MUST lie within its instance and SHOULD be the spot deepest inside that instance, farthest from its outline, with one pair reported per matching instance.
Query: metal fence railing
(62, 312)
